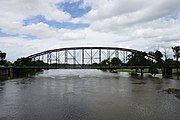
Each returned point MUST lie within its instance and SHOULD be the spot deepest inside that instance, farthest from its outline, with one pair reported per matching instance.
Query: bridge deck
(77, 67)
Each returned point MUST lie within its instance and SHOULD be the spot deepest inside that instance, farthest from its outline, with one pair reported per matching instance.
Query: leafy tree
(94, 64)
(23, 62)
(105, 62)
(176, 51)
(157, 55)
(116, 61)
(153, 71)
(138, 59)
(2, 55)
(39, 63)
(2, 59)
(28, 62)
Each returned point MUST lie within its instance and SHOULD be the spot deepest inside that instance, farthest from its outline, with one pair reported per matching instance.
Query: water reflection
(87, 94)
(20, 73)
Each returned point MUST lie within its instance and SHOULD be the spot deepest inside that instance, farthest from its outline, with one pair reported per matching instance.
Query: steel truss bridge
(82, 57)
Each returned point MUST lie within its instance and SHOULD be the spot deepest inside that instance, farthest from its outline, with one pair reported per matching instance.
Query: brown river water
(87, 95)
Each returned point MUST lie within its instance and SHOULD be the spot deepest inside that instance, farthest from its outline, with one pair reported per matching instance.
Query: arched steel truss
(80, 56)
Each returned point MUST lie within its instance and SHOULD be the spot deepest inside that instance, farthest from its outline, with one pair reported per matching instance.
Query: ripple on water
(87, 95)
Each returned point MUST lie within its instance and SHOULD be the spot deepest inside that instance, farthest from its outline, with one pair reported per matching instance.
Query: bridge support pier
(142, 72)
(177, 72)
(167, 72)
(11, 72)
(6, 72)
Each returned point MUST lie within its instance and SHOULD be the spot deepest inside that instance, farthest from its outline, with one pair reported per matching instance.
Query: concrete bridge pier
(6, 72)
(10, 71)
(167, 72)
(141, 72)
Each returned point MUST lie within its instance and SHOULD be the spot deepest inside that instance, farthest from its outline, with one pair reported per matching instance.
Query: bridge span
(81, 56)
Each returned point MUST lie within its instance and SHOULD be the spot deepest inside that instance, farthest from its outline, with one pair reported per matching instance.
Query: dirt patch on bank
(175, 91)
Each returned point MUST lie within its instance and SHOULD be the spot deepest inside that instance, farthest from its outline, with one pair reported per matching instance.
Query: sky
(32, 26)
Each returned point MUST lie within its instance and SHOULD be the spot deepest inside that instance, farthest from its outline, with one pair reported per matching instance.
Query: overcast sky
(31, 26)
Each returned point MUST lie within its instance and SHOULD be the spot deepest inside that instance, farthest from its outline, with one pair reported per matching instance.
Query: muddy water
(87, 95)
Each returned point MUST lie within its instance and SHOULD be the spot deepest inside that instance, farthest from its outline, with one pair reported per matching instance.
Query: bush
(153, 71)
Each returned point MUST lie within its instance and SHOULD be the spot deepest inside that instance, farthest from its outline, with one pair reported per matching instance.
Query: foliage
(94, 64)
(170, 62)
(28, 62)
(23, 62)
(105, 62)
(2, 55)
(138, 59)
(116, 61)
(176, 51)
(157, 55)
(3, 61)
(153, 71)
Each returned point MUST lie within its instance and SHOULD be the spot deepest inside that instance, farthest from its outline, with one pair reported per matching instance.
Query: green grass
(139, 71)
(175, 70)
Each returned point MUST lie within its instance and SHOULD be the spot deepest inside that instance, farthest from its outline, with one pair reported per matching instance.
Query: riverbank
(172, 91)
(6, 74)
(174, 71)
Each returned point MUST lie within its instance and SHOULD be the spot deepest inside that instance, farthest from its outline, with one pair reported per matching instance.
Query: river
(87, 95)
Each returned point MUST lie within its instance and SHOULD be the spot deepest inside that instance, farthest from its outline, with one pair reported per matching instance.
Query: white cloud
(137, 24)
(116, 16)
(44, 31)
(13, 12)
(73, 36)
(40, 30)
(103, 9)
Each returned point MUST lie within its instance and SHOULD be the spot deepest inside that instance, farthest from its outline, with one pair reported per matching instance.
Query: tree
(153, 70)
(23, 62)
(176, 51)
(157, 55)
(2, 56)
(165, 53)
(138, 59)
(170, 62)
(105, 62)
(116, 62)
(29, 62)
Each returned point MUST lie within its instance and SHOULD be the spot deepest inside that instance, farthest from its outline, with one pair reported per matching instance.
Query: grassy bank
(175, 70)
(139, 71)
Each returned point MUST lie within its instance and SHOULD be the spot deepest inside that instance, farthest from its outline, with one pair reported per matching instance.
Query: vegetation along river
(87, 95)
